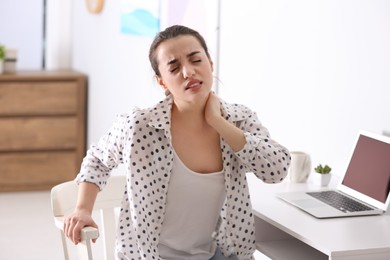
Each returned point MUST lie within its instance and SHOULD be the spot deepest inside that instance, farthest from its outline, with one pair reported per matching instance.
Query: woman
(186, 157)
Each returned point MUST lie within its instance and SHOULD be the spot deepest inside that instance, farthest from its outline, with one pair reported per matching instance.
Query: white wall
(58, 35)
(315, 71)
(21, 28)
(116, 64)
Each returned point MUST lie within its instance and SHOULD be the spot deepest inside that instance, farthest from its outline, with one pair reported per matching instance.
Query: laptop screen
(368, 171)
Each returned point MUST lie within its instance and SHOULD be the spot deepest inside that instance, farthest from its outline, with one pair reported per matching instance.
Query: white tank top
(194, 201)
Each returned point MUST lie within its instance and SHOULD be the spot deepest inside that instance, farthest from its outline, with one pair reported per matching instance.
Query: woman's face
(185, 68)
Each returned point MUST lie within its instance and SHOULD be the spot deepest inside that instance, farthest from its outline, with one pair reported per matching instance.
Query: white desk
(285, 232)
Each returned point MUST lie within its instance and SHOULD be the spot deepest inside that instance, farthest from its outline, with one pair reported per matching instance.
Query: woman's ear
(212, 64)
(160, 82)
(162, 85)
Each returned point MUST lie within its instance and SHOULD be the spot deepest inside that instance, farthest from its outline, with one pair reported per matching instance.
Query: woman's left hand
(213, 108)
(228, 131)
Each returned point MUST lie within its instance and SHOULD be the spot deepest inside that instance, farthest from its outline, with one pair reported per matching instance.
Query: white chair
(63, 201)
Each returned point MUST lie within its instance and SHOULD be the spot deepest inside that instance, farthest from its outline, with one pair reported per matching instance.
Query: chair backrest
(64, 197)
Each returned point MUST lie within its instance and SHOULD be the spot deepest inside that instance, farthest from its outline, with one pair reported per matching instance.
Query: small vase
(322, 180)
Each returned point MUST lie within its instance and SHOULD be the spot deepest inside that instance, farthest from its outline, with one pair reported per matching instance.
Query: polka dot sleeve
(263, 156)
(106, 154)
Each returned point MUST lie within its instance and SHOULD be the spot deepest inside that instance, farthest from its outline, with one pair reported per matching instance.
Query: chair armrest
(89, 233)
(86, 233)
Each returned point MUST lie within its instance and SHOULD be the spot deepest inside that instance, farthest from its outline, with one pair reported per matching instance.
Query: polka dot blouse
(141, 140)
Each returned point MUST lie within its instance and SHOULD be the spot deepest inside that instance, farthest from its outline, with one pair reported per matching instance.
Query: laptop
(364, 186)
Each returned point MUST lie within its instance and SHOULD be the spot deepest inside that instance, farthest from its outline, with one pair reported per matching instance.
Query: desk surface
(336, 237)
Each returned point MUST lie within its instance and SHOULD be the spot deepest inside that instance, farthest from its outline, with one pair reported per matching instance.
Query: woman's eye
(194, 61)
(173, 70)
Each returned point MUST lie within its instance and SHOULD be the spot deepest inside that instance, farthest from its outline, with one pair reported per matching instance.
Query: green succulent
(322, 170)
(2, 52)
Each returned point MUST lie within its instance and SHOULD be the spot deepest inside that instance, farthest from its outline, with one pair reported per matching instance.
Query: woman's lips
(194, 84)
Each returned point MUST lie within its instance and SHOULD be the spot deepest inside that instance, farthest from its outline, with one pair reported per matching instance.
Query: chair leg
(84, 250)
(64, 246)
(108, 232)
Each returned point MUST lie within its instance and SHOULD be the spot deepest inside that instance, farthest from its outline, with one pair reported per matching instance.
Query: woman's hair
(169, 33)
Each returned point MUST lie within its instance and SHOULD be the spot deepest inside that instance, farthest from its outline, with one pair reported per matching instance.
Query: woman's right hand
(75, 222)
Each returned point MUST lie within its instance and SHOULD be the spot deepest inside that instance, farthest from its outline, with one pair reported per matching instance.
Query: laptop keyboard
(339, 201)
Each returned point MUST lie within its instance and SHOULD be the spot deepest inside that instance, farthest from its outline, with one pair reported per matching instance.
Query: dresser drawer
(42, 128)
(38, 133)
(38, 98)
(38, 170)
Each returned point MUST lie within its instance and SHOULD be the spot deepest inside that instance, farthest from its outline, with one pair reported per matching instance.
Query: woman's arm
(251, 142)
(82, 215)
(96, 167)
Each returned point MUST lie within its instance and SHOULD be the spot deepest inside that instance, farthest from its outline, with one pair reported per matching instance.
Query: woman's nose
(188, 71)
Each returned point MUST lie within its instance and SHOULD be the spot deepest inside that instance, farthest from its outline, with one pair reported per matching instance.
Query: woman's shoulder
(158, 109)
(235, 110)
(139, 115)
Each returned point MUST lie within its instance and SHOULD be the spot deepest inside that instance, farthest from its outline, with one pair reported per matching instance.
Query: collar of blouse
(161, 117)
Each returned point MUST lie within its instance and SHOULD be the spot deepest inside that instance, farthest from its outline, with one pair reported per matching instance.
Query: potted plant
(323, 174)
(2, 57)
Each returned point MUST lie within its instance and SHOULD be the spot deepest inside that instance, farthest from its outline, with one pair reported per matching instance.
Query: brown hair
(169, 33)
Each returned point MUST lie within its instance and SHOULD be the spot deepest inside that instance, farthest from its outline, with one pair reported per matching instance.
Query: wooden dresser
(42, 128)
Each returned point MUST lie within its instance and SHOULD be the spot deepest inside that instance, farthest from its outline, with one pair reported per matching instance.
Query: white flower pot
(322, 180)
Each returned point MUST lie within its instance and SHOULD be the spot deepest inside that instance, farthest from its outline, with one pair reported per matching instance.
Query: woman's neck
(189, 114)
